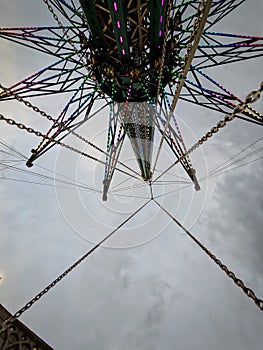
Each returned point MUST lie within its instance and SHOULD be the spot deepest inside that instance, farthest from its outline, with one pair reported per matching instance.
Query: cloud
(166, 294)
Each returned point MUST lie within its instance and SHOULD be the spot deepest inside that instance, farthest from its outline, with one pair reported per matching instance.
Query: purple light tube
(234, 35)
(40, 72)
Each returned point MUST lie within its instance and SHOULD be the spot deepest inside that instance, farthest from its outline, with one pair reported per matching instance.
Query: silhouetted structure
(18, 336)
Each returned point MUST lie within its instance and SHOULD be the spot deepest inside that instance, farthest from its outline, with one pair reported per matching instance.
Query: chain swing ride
(138, 59)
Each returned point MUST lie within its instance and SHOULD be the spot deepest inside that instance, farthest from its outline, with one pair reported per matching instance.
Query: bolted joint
(237, 109)
(252, 97)
(29, 164)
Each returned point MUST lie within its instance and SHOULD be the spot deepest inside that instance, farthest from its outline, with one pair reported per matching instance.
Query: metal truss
(116, 135)
(85, 71)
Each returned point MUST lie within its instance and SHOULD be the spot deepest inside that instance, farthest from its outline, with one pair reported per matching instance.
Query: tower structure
(122, 54)
(133, 50)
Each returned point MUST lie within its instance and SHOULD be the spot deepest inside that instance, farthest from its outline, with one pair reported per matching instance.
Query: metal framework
(137, 59)
(114, 53)
(18, 336)
(103, 46)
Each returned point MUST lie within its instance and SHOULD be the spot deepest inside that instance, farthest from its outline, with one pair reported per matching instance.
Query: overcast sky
(161, 291)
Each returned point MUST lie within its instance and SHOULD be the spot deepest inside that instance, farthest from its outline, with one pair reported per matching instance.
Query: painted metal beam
(119, 22)
(157, 9)
(91, 15)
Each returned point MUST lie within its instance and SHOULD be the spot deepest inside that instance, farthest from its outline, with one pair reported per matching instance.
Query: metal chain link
(164, 48)
(252, 97)
(92, 75)
(48, 117)
(202, 13)
(56, 124)
(30, 130)
(7, 323)
(189, 48)
(238, 282)
(63, 30)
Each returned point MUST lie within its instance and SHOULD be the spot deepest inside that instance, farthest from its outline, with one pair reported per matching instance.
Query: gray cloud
(163, 295)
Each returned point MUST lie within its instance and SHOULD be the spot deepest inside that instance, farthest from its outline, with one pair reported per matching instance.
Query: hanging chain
(63, 30)
(56, 124)
(164, 48)
(48, 117)
(92, 75)
(189, 46)
(238, 282)
(30, 130)
(42, 144)
(199, 23)
(202, 13)
(252, 97)
(7, 323)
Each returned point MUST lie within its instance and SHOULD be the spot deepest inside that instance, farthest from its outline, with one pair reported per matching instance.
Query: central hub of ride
(126, 46)
(133, 52)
